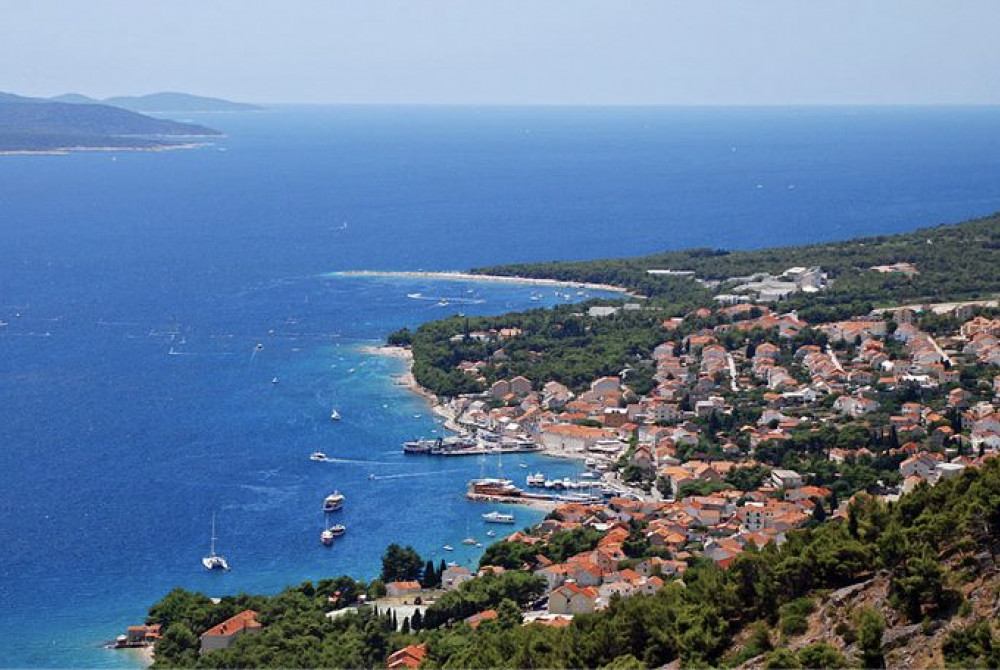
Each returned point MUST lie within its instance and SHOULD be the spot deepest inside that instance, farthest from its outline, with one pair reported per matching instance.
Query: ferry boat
(317, 456)
(440, 446)
(333, 502)
(498, 517)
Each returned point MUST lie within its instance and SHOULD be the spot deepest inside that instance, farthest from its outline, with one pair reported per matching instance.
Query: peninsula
(800, 446)
(35, 125)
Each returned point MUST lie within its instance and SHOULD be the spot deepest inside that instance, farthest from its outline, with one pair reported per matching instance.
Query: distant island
(39, 125)
(165, 102)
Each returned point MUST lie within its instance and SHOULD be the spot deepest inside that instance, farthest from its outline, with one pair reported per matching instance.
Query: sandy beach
(466, 276)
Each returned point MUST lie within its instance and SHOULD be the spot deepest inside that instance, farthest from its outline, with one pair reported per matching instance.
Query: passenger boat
(494, 487)
(333, 502)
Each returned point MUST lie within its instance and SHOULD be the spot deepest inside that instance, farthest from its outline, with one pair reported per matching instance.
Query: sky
(568, 52)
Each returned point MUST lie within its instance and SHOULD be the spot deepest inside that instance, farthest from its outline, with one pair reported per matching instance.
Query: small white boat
(317, 456)
(371, 476)
(479, 544)
(523, 465)
(337, 529)
(448, 547)
(274, 380)
(491, 533)
(469, 540)
(213, 561)
(333, 502)
(326, 537)
(334, 415)
(498, 517)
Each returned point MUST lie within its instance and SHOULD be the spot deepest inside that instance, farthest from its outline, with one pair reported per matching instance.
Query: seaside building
(221, 636)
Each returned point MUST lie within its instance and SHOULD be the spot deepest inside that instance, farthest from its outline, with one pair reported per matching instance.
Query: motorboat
(469, 540)
(317, 456)
(498, 517)
(337, 529)
(334, 415)
(448, 547)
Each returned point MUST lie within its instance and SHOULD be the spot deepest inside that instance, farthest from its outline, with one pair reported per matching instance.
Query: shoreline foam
(468, 276)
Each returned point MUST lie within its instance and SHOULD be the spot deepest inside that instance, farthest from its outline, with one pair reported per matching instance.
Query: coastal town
(758, 424)
(875, 405)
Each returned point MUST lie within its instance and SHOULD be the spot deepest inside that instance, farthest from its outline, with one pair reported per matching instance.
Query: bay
(134, 401)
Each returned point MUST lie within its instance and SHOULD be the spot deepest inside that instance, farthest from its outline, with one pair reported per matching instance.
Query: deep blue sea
(135, 289)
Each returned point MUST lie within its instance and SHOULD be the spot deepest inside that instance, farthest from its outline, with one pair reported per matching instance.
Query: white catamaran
(213, 561)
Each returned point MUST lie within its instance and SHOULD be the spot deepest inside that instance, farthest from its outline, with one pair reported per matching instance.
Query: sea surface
(149, 302)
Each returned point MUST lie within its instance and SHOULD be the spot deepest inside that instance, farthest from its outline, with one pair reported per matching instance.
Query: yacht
(537, 479)
(317, 456)
(334, 415)
(469, 540)
(333, 502)
(213, 561)
(498, 517)
(326, 537)
(337, 529)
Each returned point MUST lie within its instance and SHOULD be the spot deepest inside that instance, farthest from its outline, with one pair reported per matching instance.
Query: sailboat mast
(212, 553)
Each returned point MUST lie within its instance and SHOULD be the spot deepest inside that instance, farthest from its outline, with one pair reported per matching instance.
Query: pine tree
(430, 578)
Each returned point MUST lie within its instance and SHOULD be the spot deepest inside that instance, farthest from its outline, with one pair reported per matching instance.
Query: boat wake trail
(416, 474)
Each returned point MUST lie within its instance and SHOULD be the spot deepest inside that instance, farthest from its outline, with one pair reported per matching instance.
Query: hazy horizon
(517, 53)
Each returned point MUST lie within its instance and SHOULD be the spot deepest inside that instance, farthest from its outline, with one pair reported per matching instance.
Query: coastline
(65, 151)
(408, 381)
(467, 276)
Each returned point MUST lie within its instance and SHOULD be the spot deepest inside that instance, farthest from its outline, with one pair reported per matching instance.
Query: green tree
(870, 627)
(401, 564)
(821, 655)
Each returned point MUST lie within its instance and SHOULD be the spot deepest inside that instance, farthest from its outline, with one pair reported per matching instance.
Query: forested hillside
(953, 261)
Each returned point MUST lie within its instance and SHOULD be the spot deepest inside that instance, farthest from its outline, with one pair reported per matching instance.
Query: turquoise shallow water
(114, 452)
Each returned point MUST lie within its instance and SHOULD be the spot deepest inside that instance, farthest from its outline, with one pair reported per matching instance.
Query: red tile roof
(245, 620)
